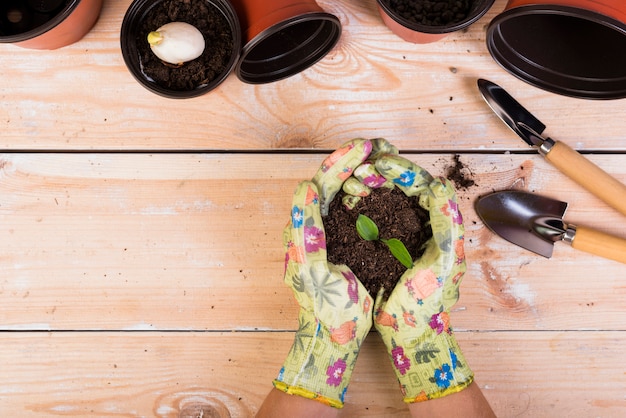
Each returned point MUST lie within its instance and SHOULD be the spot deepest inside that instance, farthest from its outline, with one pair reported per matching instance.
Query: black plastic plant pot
(46, 24)
(566, 50)
(288, 47)
(283, 37)
(220, 27)
(400, 18)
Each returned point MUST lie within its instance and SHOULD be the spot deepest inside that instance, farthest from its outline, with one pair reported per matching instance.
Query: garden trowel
(536, 222)
(566, 159)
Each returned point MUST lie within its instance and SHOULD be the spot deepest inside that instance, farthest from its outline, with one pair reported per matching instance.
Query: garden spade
(536, 222)
(560, 155)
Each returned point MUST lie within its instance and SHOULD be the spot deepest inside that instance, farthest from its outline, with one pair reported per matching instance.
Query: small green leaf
(366, 228)
(399, 251)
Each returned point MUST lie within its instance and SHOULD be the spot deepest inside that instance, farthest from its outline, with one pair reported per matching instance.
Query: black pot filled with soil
(216, 20)
(424, 21)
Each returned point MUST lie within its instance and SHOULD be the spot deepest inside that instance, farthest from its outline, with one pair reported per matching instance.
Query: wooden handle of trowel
(588, 175)
(599, 243)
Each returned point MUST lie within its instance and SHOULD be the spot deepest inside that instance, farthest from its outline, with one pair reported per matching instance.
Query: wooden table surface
(141, 258)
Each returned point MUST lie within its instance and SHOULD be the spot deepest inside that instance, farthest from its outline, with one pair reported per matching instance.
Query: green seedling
(368, 230)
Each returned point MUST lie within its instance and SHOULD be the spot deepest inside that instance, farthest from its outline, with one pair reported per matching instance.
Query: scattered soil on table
(431, 12)
(457, 173)
(204, 69)
(396, 215)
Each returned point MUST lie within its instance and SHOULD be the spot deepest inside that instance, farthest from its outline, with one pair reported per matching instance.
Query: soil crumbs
(457, 174)
(204, 69)
(396, 215)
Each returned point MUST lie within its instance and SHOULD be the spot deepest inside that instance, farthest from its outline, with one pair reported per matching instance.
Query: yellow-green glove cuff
(291, 390)
(320, 362)
(429, 366)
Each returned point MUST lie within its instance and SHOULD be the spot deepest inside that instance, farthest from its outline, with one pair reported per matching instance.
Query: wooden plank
(424, 97)
(141, 374)
(175, 241)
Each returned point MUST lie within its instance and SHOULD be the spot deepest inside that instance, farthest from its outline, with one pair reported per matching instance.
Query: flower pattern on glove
(400, 360)
(406, 179)
(353, 286)
(440, 322)
(443, 376)
(423, 284)
(367, 305)
(297, 216)
(335, 372)
(345, 333)
(386, 320)
(409, 318)
(452, 210)
(374, 181)
(459, 251)
(314, 239)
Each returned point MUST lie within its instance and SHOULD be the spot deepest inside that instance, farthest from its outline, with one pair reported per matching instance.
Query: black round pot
(419, 33)
(287, 48)
(141, 62)
(46, 24)
(573, 51)
(283, 37)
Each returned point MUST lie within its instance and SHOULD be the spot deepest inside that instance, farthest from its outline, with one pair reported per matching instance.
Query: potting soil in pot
(396, 215)
(431, 12)
(204, 69)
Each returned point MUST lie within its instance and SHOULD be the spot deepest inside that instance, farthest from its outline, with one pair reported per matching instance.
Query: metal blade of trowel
(531, 221)
(536, 222)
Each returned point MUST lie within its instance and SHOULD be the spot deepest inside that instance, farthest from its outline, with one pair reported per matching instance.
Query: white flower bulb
(176, 42)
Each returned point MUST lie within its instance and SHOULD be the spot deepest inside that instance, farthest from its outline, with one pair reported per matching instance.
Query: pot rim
(472, 17)
(540, 76)
(321, 46)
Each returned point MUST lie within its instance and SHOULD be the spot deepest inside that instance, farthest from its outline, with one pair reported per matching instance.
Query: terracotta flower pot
(46, 24)
(198, 76)
(283, 37)
(412, 31)
(571, 47)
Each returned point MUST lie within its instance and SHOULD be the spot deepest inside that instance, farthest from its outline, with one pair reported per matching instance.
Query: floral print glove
(414, 321)
(339, 170)
(335, 309)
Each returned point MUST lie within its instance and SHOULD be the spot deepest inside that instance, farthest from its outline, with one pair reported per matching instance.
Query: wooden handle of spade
(588, 175)
(600, 243)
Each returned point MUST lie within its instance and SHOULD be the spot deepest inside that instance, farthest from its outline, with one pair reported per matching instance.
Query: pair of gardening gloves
(337, 313)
